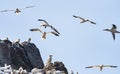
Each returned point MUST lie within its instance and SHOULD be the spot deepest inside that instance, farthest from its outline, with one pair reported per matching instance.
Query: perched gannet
(49, 60)
(113, 30)
(45, 24)
(101, 66)
(83, 20)
(17, 10)
(7, 69)
(20, 70)
(29, 40)
(17, 41)
(45, 33)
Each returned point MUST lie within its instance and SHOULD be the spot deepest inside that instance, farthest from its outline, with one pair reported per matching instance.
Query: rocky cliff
(25, 55)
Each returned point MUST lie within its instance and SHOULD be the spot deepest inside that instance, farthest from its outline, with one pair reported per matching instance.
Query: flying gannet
(101, 66)
(113, 30)
(44, 33)
(17, 10)
(82, 20)
(45, 24)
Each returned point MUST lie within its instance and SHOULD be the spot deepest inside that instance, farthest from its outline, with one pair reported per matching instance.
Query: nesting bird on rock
(49, 60)
(29, 40)
(113, 30)
(20, 71)
(101, 66)
(7, 69)
(17, 10)
(17, 41)
(49, 65)
(82, 20)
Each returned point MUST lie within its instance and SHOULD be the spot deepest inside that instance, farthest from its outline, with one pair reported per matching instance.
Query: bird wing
(6, 10)
(113, 66)
(26, 7)
(89, 67)
(55, 29)
(36, 29)
(78, 17)
(29, 6)
(114, 26)
(56, 34)
(93, 66)
(43, 21)
(113, 34)
(92, 22)
(110, 66)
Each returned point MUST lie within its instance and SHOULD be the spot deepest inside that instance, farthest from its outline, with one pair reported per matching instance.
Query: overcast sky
(79, 45)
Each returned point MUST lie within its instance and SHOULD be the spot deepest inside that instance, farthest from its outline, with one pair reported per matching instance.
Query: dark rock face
(19, 57)
(4, 53)
(34, 58)
(60, 66)
(25, 55)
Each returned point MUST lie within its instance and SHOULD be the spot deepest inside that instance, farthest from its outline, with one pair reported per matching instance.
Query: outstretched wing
(89, 67)
(36, 29)
(113, 35)
(6, 10)
(113, 66)
(92, 22)
(26, 7)
(110, 66)
(43, 21)
(92, 66)
(30, 6)
(56, 34)
(55, 29)
(78, 17)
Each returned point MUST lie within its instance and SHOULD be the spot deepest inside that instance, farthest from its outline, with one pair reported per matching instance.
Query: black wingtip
(31, 29)
(38, 19)
(74, 16)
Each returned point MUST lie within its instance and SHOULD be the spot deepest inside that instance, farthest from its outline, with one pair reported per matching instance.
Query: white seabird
(102, 66)
(45, 24)
(17, 10)
(49, 60)
(113, 30)
(82, 20)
